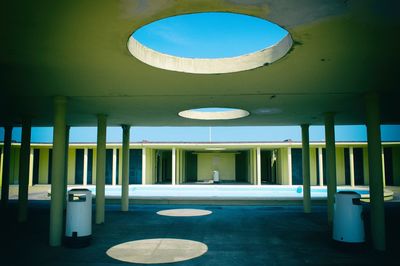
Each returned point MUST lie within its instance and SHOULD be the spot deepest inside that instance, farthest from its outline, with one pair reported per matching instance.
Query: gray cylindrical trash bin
(78, 228)
(348, 223)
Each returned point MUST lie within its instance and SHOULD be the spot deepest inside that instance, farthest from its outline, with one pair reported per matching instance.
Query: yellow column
(351, 158)
(330, 163)
(119, 182)
(289, 165)
(114, 167)
(375, 171)
(58, 168)
(24, 171)
(258, 166)
(306, 168)
(85, 165)
(31, 155)
(1, 164)
(67, 128)
(125, 168)
(383, 169)
(321, 166)
(101, 167)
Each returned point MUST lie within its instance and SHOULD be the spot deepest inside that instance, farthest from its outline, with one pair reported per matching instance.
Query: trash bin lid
(79, 189)
(82, 190)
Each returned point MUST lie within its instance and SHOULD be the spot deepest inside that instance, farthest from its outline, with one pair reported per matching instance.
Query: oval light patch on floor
(158, 250)
(184, 212)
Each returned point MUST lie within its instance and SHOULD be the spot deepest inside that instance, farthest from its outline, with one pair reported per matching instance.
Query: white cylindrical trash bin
(348, 223)
(216, 176)
(78, 228)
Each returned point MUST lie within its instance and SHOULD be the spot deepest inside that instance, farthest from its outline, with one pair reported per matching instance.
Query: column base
(75, 241)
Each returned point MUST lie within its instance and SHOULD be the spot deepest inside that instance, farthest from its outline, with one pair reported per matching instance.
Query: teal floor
(235, 235)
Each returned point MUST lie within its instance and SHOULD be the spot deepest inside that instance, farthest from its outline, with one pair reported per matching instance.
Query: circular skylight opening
(209, 43)
(214, 113)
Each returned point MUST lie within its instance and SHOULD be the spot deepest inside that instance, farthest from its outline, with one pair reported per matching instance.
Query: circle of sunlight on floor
(157, 250)
(184, 212)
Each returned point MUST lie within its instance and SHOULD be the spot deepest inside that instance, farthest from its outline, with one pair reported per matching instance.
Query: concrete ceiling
(78, 49)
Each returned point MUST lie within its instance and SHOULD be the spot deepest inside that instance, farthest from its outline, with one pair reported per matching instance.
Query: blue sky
(209, 35)
(114, 134)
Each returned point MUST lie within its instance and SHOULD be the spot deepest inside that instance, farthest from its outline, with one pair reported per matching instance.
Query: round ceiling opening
(209, 43)
(214, 113)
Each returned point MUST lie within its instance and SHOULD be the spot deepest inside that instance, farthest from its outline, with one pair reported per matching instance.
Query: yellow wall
(396, 165)
(222, 162)
(313, 166)
(71, 165)
(14, 164)
(206, 165)
(283, 166)
(340, 170)
(43, 165)
(366, 166)
(150, 166)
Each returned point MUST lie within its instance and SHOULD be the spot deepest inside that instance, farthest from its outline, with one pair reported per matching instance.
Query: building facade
(261, 163)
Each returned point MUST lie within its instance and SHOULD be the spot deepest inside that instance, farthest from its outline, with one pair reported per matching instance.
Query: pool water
(223, 192)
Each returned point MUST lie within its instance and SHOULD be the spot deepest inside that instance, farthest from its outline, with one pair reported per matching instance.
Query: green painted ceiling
(77, 49)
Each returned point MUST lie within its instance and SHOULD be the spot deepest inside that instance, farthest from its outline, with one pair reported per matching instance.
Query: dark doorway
(297, 167)
(268, 167)
(242, 166)
(79, 166)
(387, 153)
(191, 166)
(35, 178)
(164, 166)
(90, 167)
(109, 166)
(347, 166)
(135, 166)
(358, 166)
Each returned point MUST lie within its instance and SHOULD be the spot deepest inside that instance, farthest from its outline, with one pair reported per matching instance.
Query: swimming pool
(224, 192)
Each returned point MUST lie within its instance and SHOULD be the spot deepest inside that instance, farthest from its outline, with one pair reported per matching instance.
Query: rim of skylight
(259, 58)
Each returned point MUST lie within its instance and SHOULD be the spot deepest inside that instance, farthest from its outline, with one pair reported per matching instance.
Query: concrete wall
(222, 162)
